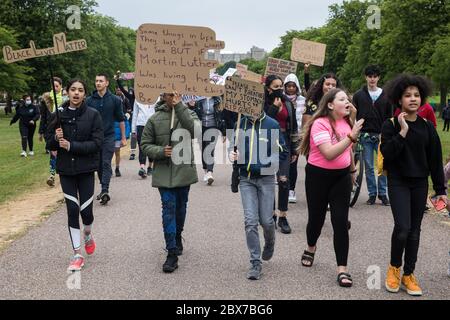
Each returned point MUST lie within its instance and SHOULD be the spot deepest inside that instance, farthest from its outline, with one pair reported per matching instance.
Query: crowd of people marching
(319, 121)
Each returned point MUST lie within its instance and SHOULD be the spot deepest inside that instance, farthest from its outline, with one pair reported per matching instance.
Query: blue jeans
(174, 203)
(258, 196)
(370, 144)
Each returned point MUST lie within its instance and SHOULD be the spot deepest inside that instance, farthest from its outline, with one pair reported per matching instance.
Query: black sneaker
(171, 263)
(132, 156)
(384, 200)
(118, 174)
(268, 251)
(371, 200)
(142, 173)
(104, 198)
(149, 171)
(349, 225)
(275, 221)
(99, 196)
(179, 241)
(284, 225)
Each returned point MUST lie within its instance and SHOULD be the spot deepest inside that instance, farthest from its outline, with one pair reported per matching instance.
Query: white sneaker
(205, 178)
(210, 178)
(292, 197)
(31, 153)
(23, 154)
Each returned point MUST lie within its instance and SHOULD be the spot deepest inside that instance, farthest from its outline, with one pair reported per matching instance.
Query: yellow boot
(393, 279)
(411, 285)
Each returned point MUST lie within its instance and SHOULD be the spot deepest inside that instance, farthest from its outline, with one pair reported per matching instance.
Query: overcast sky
(241, 24)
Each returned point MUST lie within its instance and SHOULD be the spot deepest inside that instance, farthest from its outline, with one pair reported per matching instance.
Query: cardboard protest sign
(243, 96)
(246, 74)
(241, 68)
(308, 52)
(60, 46)
(280, 67)
(172, 58)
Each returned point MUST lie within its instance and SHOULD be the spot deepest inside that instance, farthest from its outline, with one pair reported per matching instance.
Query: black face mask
(276, 94)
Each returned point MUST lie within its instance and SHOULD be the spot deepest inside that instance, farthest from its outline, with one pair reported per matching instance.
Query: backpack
(380, 158)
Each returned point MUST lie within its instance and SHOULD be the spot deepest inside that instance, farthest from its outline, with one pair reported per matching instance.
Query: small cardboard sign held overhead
(308, 52)
(243, 96)
(60, 46)
(280, 68)
(172, 58)
(246, 74)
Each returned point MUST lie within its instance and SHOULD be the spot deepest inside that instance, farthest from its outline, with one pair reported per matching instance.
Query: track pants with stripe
(79, 196)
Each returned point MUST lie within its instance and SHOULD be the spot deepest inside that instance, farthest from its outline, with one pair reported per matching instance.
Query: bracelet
(351, 138)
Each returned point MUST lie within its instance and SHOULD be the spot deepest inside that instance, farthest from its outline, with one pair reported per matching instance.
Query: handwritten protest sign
(246, 74)
(308, 52)
(243, 96)
(60, 46)
(187, 99)
(280, 67)
(172, 58)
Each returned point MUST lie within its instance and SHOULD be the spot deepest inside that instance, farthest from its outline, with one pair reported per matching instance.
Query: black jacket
(292, 126)
(374, 114)
(85, 134)
(26, 114)
(220, 122)
(45, 118)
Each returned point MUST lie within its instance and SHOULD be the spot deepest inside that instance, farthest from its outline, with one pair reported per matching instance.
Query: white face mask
(27, 102)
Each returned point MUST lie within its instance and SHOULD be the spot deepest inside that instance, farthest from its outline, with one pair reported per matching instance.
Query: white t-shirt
(375, 94)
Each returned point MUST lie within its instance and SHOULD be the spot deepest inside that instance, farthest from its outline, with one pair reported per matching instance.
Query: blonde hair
(48, 101)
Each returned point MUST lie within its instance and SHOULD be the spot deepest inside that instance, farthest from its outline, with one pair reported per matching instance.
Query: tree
(440, 66)
(258, 67)
(13, 76)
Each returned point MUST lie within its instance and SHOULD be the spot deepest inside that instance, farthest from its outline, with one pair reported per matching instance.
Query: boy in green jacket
(174, 172)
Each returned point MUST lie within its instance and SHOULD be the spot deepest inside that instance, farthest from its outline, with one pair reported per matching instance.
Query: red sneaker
(89, 245)
(76, 263)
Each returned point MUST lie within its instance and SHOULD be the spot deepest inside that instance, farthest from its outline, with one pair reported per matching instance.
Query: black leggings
(27, 134)
(142, 157)
(447, 124)
(293, 174)
(79, 195)
(211, 139)
(408, 198)
(332, 187)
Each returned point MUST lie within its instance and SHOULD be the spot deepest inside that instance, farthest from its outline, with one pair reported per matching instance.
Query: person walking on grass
(173, 173)
(412, 152)
(28, 114)
(327, 143)
(78, 140)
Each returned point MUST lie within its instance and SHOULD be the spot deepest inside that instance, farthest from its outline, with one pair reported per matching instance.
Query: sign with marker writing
(60, 46)
(126, 76)
(281, 68)
(308, 52)
(172, 58)
(246, 74)
(243, 96)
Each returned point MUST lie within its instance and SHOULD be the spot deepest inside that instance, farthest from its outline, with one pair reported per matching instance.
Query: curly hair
(397, 87)
(316, 92)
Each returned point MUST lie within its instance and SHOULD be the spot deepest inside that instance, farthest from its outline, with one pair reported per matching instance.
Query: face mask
(277, 94)
(292, 97)
(27, 102)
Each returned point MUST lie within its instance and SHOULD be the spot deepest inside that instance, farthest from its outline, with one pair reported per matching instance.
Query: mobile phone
(438, 204)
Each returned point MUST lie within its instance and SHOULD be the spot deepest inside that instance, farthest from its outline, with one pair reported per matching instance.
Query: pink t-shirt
(322, 132)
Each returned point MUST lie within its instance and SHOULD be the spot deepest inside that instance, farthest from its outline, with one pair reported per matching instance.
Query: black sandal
(308, 257)
(344, 276)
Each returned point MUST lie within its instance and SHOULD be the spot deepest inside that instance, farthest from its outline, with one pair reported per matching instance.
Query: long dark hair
(315, 94)
(271, 78)
(322, 112)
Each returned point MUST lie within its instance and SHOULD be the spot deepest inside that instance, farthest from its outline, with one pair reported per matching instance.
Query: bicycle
(359, 166)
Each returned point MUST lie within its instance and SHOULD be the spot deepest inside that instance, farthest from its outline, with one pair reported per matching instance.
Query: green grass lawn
(445, 142)
(19, 175)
